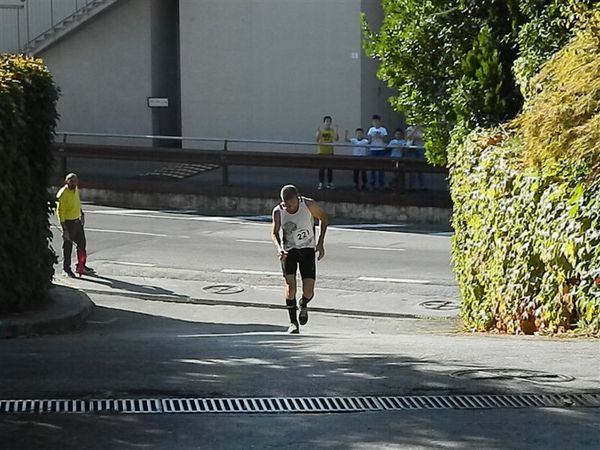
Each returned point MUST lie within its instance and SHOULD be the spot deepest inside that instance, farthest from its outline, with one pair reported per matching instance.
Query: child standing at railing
(325, 137)
(360, 148)
(398, 150)
(414, 139)
(377, 136)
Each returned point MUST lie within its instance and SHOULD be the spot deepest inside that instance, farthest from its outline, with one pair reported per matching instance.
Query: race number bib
(302, 236)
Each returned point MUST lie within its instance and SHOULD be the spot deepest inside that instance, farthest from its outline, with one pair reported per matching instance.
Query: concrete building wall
(269, 69)
(240, 69)
(374, 92)
(105, 71)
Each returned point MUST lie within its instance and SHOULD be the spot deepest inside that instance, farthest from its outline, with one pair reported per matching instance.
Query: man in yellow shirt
(71, 218)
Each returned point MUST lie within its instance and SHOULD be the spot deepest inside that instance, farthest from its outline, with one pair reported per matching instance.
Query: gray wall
(245, 69)
(374, 92)
(269, 69)
(108, 67)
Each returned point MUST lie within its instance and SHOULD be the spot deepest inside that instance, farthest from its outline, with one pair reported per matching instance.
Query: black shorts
(303, 257)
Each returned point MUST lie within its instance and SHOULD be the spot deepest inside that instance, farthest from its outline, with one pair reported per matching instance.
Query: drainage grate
(272, 405)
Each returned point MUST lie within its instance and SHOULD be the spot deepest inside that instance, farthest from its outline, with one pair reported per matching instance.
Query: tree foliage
(526, 248)
(460, 64)
(28, 117)
(561, 123)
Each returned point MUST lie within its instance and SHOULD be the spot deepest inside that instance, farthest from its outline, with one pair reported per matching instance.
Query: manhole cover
(224, 289)
(511, 374)
(439, 305)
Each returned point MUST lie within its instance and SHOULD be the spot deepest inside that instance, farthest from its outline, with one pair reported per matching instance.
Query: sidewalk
(66, 309)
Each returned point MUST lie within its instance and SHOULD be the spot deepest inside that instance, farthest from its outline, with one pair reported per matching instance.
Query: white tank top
(298, 228)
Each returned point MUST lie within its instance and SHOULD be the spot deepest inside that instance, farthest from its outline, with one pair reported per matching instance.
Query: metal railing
(24, 23)
(225, 142)
(224, 157)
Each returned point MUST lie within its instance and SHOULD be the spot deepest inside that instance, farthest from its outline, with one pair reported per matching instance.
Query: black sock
(291, 307)
(304, 301)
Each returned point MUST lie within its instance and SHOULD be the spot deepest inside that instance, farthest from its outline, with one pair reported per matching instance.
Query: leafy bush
(526, 248)
(28, 118)
(461, 64)
(561, 124)
(548, 26)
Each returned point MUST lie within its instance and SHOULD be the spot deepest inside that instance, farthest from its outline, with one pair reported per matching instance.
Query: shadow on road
(127, 354)
(130, 287)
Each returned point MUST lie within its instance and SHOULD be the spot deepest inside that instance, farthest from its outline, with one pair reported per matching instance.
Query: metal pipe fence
(225, 158)
(24, 22)
(67, 137)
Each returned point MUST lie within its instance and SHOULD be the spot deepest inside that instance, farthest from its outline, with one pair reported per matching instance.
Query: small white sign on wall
(158, 102)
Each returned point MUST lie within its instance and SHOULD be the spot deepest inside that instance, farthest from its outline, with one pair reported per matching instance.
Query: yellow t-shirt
(69, 204)
(326, 137)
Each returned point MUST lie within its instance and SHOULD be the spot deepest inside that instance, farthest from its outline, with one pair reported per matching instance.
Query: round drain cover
(511, 374)
(440, 305)
(224, 289)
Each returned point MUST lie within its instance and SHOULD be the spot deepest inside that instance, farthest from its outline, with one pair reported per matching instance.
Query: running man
(296, 215)
(71, 219)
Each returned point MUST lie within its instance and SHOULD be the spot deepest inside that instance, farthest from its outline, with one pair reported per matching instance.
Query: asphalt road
(383, 323)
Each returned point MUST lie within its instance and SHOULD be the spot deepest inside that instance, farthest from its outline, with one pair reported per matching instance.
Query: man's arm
(318, 135)
(320, 214)
(337, 134)
(60, 214)
(275, 236)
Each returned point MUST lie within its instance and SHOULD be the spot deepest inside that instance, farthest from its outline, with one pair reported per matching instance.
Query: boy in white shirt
(360, 143)
(414, 139)
(398, 147)
(377, 136)
(398, 144)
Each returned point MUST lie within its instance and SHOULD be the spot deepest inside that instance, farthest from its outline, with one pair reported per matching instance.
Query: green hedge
(527, 204)
(526, 248)
(28, 118)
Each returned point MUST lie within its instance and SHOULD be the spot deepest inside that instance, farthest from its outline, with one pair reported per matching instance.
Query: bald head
(288, 192)
(71, 180)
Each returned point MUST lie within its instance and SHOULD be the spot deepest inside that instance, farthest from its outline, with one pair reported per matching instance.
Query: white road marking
(252, 241)
(149, 215)
(394, 280)
(386, 249)
(250, 272)
(138, 233)
(362, 226)
(124, 263)
(102, 322)
(116, 212)
(256, 221)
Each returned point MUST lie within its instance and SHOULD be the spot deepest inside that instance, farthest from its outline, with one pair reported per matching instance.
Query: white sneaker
(293, 328)
(331, 186)
(320, 186)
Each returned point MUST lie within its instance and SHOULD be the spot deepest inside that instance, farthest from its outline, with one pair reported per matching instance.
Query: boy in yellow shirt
(325, 137)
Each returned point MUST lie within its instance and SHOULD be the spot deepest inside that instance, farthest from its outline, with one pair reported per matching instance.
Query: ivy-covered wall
(28, 117)
(526, 248)
(527, 205)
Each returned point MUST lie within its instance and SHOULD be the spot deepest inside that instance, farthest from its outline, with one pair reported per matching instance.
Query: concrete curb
(66, 309)
(240, 204)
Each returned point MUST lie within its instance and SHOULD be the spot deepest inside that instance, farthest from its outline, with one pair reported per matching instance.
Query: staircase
(22, 20)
